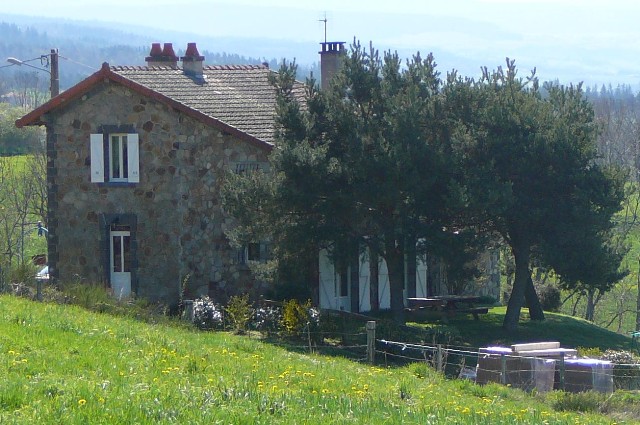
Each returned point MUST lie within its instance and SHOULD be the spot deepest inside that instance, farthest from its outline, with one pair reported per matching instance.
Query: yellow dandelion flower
(82, 402)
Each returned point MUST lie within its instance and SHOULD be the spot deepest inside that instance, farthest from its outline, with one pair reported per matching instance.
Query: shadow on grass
(571, 332)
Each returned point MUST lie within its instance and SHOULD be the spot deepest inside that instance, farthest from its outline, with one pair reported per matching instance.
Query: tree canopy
(13, 140)
(533, 170)
(396, 159)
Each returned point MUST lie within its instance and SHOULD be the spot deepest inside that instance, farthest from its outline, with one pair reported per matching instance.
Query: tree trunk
(521, 252)
(394, 256)
(574, 310)
(591, 306)
(411, 268)
(533, 302)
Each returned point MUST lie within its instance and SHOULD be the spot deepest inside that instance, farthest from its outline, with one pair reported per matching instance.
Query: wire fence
(480, 365)
(500, 365)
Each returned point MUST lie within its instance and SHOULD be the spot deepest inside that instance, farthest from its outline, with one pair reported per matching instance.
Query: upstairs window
(118, 158)
(115, 158)
(253, 252)
(246, 167)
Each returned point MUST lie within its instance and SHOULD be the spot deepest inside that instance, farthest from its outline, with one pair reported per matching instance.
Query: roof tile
(237, 95)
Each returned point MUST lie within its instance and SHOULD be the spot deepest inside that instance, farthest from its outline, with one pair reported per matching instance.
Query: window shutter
(264, 251)
(134, 158)
(97, 158)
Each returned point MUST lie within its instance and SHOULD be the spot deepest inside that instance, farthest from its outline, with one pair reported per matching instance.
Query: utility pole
(55, 75)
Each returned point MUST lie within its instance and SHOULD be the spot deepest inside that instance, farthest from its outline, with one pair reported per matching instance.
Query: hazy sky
(572, 40)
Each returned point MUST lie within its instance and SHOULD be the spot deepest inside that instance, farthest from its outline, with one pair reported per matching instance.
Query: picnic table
(447, 306)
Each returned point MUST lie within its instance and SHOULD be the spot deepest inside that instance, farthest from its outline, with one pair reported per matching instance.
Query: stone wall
(176, 210)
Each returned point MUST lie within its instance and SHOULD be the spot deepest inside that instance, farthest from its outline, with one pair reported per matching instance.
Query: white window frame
(101, 149)
(243, 253)
(118, 145)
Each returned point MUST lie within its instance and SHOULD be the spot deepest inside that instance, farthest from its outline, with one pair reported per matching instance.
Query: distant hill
(84, 46)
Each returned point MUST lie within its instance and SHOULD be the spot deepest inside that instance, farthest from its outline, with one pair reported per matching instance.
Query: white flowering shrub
(267, 319)
(207, 314)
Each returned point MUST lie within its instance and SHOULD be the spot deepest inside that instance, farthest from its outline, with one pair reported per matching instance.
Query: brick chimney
(330, 60)
(162, 56)
(192, 61)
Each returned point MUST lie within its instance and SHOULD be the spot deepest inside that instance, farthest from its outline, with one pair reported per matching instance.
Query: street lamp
(45, 60)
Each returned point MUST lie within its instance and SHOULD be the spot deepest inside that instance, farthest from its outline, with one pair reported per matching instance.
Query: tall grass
(63, 364)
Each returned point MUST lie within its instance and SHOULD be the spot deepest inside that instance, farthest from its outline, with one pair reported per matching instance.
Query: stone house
(136, 157)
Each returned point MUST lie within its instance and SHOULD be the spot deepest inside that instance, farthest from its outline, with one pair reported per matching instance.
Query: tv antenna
(325, 26)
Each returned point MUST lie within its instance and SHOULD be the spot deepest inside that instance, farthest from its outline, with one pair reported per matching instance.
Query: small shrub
(267, 319)
(549, 296)
(297, 316)
(585, 402)
(207, 315)
(590, 352)
(89, 296)
(626, 371)
(239, 313)
(619, 357)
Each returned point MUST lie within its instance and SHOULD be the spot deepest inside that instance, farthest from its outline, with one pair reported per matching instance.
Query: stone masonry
(175, 212)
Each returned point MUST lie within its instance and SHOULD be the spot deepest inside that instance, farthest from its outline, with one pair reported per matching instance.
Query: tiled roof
(237, 99)
(239, 96)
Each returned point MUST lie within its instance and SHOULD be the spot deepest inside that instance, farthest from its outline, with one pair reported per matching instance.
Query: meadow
(64, 364)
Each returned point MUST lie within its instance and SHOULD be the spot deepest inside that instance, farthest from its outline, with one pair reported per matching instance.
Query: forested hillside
(83, 47)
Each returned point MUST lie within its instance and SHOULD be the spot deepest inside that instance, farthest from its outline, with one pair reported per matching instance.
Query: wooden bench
(426, 313)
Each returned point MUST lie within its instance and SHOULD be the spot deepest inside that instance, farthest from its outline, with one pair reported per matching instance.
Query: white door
(120, 241)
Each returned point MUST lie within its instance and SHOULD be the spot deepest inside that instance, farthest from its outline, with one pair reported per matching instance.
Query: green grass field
(65, 365)
(569, 331)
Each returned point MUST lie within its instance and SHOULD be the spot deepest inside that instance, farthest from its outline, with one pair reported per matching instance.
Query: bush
(89, 296)
(549, 296)
(590, 352)
(626, 372)
(267, 319)
(239, 313)
(207, 315)
(585, 402)
(297, 316)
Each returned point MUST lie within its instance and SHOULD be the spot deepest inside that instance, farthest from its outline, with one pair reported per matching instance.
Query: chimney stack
(330, 61)
(162, 56)
(192, 61)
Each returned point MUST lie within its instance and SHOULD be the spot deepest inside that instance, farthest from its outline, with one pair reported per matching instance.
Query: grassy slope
(63, 364)
(569, 331)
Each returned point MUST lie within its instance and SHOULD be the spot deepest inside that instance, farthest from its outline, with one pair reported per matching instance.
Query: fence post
(503, 369)
(561, 378)
(39, 289)
(439, 358)
(371, 341)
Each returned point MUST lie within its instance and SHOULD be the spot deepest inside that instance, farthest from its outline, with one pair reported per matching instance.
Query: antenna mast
(325, 26)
